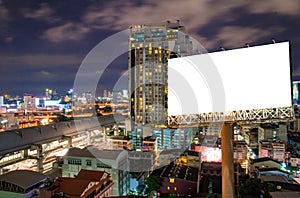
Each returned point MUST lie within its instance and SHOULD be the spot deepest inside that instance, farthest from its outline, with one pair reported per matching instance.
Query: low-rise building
(120, 143)
(262, 163)
(178, 179)
(240, 151)
(251, 138)
(210, 177)
(114, 162)
(141, 161)
(87, 183)
(149, 144)
(21, 183)
(273, 149)
(169, 155)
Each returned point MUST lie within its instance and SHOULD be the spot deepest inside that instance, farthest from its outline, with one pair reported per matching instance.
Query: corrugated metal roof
(18, 139)
(23, 178)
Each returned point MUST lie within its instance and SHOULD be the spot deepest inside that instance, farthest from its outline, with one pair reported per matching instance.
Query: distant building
(239, 151)
(149, 144)
(141, 161)
(168, 156)
(282, 133)
(273, 132)
(137, 138)
(251, 138)
(29, 102)
(120, 143)
(296, 91)
(1, 101)
(295, 162)
(190, 158)
(210, 177)
(150, 47)
(178, 179)
(87, 183)
(273, 149)
(180, 138)
(114, 162)
(267, 131)
(260, 163)
(297, 123)
(212, 130)
(21, 183)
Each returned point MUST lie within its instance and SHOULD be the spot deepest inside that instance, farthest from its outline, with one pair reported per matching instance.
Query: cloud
(4, 17)
(195, 15)
(236, 36)
(8, 39)
(46, 73)
(3, 13)
(287, 7)
(44, 13)
(42, 60)
(65, 32)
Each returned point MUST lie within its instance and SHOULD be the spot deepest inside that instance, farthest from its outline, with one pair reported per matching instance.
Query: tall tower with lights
(150, 47)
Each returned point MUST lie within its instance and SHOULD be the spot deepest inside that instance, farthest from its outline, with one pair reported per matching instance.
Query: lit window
(175, 188)
(172, 180)
(168, 187)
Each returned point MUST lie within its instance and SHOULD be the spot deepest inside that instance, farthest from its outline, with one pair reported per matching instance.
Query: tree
(213, 195)
(152, 183)
(252, 188)
(269, 187)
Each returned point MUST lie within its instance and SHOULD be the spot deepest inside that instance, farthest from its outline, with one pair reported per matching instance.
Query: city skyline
(42, 44)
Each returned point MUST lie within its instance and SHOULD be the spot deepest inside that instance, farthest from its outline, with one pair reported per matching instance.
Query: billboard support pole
(227, 161)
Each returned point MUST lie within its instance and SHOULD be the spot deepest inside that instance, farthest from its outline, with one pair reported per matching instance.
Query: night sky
(42, 43)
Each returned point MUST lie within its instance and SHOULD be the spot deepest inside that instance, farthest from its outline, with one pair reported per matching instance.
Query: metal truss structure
(282, 114)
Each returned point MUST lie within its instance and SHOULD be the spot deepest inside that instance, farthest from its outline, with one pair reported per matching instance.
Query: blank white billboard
(241, 79)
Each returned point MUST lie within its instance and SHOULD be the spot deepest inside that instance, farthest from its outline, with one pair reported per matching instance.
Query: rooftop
(177, 171)
(274, 178)
(93, 152)
(264, 159)
(23, 178)
(120, 138)
(91, 175)
(176, 152)
(76, 186)
(72, 186)
(18, 139)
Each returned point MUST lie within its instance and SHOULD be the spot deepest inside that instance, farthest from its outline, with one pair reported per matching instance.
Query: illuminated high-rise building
(29, 102)
(150, 47)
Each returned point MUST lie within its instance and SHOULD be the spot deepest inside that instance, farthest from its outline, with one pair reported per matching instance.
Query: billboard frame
(282, 114)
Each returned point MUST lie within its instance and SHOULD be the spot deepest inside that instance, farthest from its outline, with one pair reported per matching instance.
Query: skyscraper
(150, 47)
